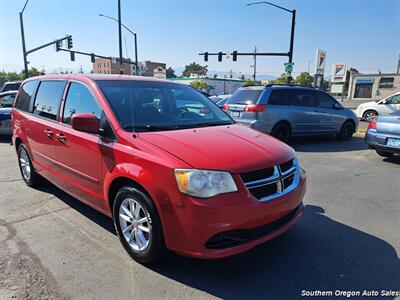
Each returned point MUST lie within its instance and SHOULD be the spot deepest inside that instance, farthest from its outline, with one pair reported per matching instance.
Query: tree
(304, 79)
(196, 69)
(201, 85)
(249, 82)
(281, 79)
(242, 77)
(14, 76)
(171, 73)
(215, 76)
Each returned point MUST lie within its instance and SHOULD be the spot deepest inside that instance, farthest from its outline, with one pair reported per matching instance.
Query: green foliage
(194, 68)
(281, 79)
(201, 85)
(304, 79)
(249, 82)
(170, 73)
(14, 76)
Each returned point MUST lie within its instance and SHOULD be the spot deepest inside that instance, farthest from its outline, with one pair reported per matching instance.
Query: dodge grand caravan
(171, 177)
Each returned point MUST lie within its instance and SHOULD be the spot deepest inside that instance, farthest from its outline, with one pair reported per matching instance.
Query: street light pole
(293, 12)
(135, 36)
(120, 37)
(21, 21)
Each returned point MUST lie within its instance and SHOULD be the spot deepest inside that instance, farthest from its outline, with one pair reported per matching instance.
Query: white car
(368, 110)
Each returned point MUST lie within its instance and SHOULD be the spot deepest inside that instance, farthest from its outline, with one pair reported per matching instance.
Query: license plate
(236, 113)
(393, 142)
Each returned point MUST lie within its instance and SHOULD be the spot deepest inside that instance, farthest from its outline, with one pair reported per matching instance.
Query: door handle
(61, 137)
(49, 133)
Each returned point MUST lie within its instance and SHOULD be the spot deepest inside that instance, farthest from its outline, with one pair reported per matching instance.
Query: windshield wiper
(155, 127)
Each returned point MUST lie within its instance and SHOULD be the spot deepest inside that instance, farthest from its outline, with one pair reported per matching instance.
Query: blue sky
(363, 34)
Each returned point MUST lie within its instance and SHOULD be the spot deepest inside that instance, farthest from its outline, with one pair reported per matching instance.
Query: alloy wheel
(135, 224)
(25, 164)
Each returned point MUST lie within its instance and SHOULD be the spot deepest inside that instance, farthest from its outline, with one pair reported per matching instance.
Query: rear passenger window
(306, 98)
(79, 100)
(48, 99)
(25, 94)
(280, 97)
(325, 100)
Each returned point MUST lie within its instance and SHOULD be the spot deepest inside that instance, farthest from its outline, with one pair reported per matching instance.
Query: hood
(369, 103)
(234, 148)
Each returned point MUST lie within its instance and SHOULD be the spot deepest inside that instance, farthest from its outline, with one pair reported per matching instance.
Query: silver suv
(285, 111)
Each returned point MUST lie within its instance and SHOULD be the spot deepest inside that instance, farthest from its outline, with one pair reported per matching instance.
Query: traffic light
(219, 56)
(72, 56)
(205, 56)
(69, 42)
(58, 45)
(234, 55)
(92, 57)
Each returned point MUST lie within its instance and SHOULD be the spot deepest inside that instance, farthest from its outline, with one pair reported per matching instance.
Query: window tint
(79, 100)
(396, 99)
(386, 82)
(305, 98)
(48, 98)
(25, 94)
(326, 100)
(280, 97)
(245, 97)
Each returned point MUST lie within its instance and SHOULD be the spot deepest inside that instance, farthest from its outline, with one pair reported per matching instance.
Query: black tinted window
(48, 98)
(326, 100)
(245, 97)
(280, 97)
(305, 98)
(79, 100)
(25, 94)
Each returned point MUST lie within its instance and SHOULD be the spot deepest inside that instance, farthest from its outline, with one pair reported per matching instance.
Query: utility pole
(21, 21)
(120, 37)
(398, 65)
(255, 64)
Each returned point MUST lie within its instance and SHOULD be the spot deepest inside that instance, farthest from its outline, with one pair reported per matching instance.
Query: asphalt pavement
(53, 246)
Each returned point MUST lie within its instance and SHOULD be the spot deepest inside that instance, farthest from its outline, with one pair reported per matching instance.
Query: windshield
(396, 113)
(245, 97)
(157, 106)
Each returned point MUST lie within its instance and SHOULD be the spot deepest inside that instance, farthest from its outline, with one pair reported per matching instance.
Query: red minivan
(171, 168)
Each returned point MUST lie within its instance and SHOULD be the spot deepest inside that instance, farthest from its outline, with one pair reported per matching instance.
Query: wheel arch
(369, 109)
(286, 122)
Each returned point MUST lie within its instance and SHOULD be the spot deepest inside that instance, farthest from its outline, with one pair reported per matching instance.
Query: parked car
(383, 134)
(218, 98)
(385, 107)
(167, 178)
(286, 111)
(10, 86)
(7, 98)
(222, 102)
(5, 121)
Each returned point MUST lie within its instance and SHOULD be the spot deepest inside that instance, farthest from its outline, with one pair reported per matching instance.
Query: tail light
(255, 107)
(226, 107)
(372, 124)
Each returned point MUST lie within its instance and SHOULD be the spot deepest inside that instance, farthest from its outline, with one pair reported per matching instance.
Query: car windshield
(246, 96)
(158, 106)
(396, 113)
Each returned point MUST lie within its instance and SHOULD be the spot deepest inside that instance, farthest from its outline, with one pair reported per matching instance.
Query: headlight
(204, 184)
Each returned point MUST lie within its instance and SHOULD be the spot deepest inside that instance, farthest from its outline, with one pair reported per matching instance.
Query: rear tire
(138, 225)
(347, 131)
(369, 115)
(30, 177)
(384, 154)
(282, 132)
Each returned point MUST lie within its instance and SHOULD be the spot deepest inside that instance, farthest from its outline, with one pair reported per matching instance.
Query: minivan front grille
(270, 183)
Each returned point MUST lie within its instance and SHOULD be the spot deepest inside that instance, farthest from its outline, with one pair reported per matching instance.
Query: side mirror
(337, 106)
(85, 123)
(382, 102)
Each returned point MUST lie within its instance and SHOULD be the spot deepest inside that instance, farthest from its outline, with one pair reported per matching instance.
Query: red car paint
(86, 166)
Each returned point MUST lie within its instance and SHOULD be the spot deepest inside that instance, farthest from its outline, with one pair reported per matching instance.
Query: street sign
(289, 67)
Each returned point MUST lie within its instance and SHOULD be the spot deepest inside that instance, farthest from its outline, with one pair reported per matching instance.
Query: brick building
(110, 66)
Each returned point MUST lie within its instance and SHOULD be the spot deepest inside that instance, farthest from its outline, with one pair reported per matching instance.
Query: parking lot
(53, 246)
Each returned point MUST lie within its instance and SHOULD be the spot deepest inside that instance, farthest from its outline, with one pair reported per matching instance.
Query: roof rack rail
(284, 84)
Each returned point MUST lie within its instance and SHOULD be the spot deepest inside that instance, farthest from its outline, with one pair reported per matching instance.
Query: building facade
(373, 86)
(219, 86)
(109, 66)
(151, 69)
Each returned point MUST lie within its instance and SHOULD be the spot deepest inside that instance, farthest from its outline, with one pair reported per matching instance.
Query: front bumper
(377, 141)
(201, 221)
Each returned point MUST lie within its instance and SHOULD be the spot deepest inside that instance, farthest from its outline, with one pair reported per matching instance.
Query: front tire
(347, 131)
(30, 177)
(384, 154)
(369, 115)
(138, 225)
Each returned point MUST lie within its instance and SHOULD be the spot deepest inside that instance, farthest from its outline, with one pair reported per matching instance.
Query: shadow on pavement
(317, 254)
(327, 144)
(395, 159)
(5, 139)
